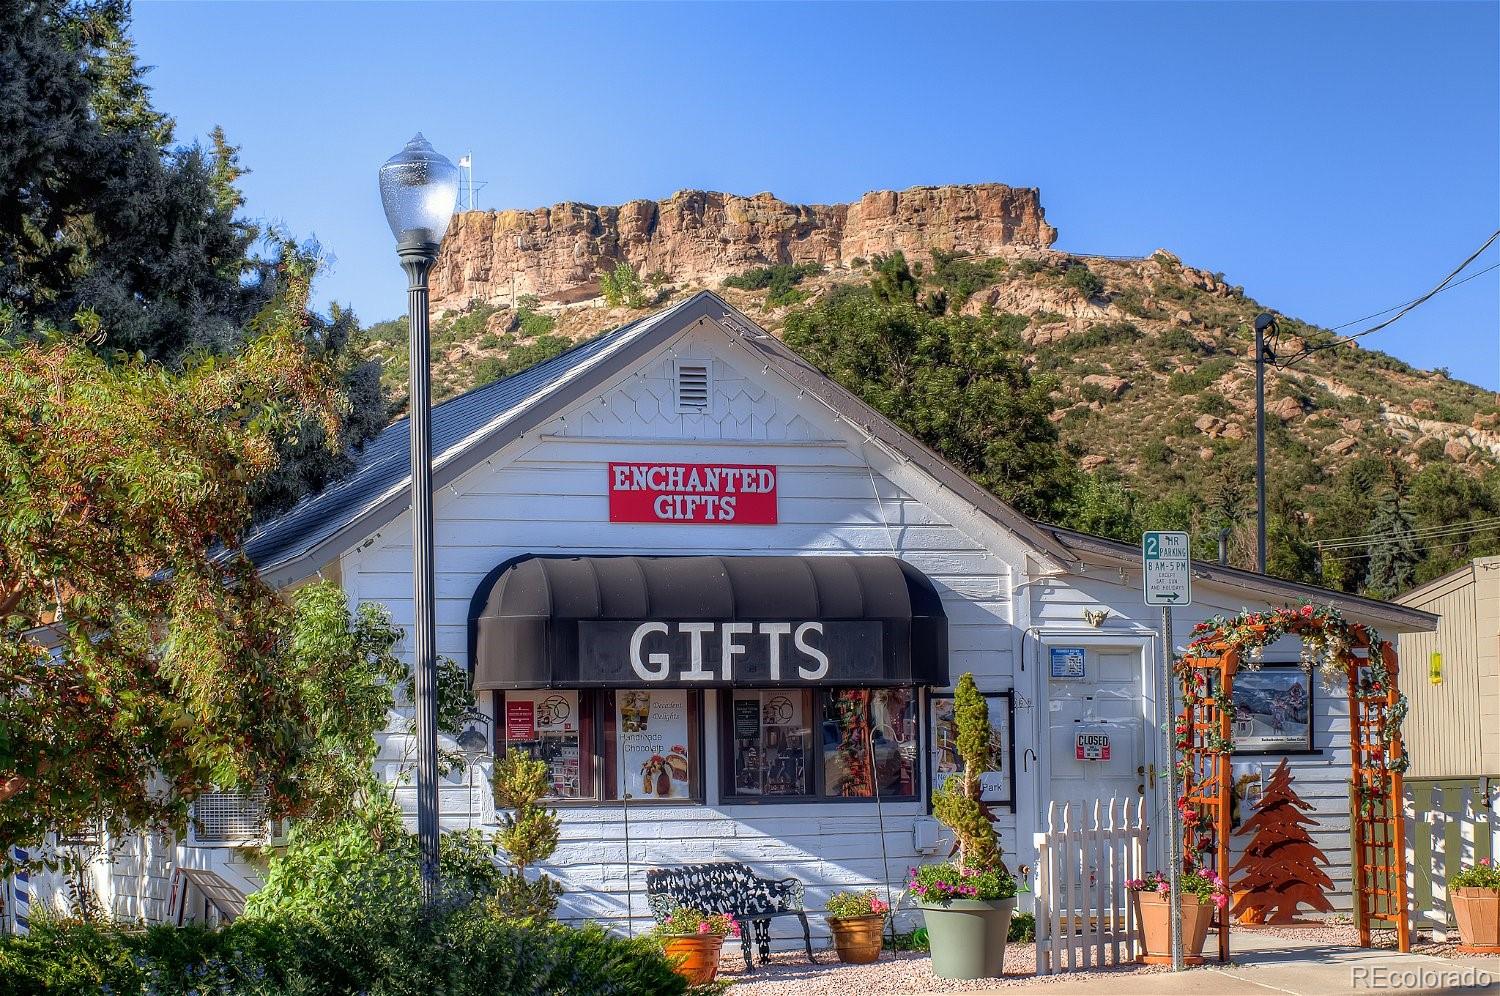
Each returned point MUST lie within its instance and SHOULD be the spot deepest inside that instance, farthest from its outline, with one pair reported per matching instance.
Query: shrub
(1193, 381)
(780, 280)
(961, 275)
(397, 949)
(528, 833)
(1213, 403)
(1080, 278)
(622, 285)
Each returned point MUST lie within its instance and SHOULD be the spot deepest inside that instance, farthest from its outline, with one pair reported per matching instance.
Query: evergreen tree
(1393, 553)
(956, 382)
(111, 233)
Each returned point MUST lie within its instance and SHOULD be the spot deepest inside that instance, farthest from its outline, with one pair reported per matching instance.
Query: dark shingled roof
(385, 462)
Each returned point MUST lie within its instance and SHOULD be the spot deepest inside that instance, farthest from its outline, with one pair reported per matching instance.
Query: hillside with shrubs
(1145, 367)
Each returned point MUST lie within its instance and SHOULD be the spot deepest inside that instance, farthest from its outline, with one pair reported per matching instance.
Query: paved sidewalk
(1264, 964)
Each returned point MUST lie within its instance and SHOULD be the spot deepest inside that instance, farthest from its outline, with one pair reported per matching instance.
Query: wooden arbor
(1350, 656)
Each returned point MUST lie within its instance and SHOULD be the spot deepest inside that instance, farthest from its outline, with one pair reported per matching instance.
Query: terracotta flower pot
(857, 939)
(1151, 912)
(1478, 915)
(694, 956)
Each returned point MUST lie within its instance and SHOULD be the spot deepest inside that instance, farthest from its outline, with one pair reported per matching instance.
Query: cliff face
(702, 237)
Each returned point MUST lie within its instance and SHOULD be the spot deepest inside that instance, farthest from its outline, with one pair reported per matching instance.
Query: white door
(1097, 731)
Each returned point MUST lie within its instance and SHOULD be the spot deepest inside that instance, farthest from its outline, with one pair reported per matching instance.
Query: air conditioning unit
(234, 819)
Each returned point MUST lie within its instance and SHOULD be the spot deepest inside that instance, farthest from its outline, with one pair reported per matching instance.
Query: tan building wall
(1453, 729)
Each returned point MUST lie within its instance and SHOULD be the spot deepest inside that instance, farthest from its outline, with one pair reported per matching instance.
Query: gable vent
(692, 387)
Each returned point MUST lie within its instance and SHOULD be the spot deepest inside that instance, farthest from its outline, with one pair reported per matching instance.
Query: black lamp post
(1264, 351)
(419, 189)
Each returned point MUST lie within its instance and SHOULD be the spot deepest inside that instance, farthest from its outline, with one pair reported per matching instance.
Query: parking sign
(1167, 561)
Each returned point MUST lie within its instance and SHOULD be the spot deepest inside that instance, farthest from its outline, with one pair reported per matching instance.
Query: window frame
(598, 705)
(818, 761)
(1009, 695)
(727, 794)
(1286, 666)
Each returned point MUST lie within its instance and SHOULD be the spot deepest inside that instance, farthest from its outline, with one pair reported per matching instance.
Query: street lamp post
(1263, 351)
(419, 189)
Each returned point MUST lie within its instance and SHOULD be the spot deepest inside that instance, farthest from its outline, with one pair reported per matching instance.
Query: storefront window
(551, 725)
(870, 736)
(768, 739)
(651, 748)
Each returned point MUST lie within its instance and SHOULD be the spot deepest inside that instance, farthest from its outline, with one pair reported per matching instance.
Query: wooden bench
(734, 888)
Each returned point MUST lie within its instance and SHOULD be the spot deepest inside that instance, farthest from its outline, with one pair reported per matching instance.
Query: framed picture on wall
(1273, 710)
(998, 787)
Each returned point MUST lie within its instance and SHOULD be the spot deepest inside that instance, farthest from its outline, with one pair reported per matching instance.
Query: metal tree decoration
(1281, 865)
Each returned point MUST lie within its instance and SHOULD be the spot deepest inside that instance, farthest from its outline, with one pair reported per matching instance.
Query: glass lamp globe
(419, 188)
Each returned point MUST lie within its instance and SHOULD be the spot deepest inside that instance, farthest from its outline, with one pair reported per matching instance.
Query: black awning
(705, 622)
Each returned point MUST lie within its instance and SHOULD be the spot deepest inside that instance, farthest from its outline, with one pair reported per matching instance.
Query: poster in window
(545, 724)
(1272, 710)
(655, 758)
(996, 785)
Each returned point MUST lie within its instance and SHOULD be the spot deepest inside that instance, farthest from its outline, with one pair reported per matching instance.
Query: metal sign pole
(1167, 581)
(1174, 818)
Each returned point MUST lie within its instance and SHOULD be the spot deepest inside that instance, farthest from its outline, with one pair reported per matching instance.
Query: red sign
(1092, 747)
(520, 721)
(692, 492)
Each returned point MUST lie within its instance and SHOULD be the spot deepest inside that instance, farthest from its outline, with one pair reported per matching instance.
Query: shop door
(1097, 736)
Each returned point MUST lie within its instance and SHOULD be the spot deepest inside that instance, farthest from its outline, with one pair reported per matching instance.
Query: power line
(1404, 309)
(1457, 283)
(1431, 533)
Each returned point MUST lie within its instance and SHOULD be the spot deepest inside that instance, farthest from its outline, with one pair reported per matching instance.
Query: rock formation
(702, 237)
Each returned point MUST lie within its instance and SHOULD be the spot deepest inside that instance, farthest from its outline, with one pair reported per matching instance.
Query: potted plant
(1476, 906)
(693, 941)
(857, 920)
(1202, 892)
(967, 903)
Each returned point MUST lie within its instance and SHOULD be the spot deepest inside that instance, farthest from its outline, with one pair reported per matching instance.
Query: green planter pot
(967, 937)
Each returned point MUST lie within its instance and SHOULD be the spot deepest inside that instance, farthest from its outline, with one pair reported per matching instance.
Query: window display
(995, 786)
(865, 729)
(654, 743)
(770, 736)
(549, 725)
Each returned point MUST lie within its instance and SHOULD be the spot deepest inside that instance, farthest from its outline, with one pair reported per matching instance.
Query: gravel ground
(789, 974)
(894, 974)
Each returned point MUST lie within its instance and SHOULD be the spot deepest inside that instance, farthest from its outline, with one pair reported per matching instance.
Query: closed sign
(1093, 747)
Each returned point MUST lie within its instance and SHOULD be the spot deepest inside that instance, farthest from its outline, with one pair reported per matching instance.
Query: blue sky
(1335, 159)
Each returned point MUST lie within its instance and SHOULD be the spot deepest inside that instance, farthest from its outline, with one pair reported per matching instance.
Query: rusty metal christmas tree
(1281, 864)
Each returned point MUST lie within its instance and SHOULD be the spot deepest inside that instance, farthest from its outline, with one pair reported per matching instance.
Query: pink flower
(705, 927)
(1485, 862)
(877, 906)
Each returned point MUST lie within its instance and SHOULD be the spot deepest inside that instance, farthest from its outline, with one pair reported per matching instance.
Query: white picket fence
(1446, 830)
(1084, 917)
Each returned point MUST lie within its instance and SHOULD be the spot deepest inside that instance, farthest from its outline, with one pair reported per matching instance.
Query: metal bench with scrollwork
(730, 887)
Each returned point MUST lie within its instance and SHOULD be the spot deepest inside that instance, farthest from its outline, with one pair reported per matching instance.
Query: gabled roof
(1395, 618)
(468, 428)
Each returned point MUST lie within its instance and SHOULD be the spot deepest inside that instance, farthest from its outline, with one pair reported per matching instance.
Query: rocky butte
(701, 237)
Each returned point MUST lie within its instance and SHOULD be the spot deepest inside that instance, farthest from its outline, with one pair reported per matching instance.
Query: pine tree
(1281, 863)
(1393, 554)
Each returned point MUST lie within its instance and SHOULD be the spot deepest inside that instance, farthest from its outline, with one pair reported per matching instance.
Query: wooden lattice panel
(1379, 841)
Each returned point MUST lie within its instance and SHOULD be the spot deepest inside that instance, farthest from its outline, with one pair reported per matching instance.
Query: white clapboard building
(728, 603)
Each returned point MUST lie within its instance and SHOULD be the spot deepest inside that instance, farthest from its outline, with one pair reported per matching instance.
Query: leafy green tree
(622, 285)
(891, 280)
(956, 382)
(123, 494)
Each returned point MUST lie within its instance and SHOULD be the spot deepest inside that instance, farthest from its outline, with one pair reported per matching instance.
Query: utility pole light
(1263, 351)
(419, 189)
